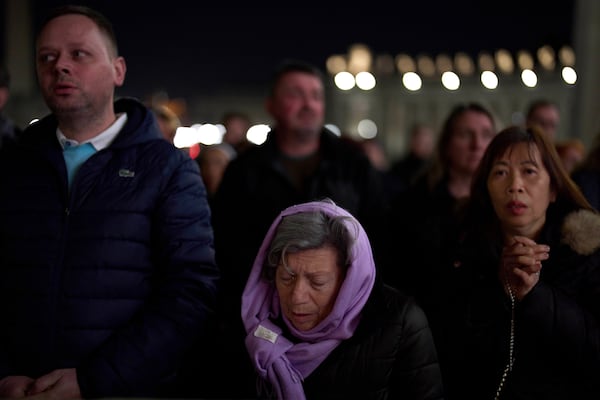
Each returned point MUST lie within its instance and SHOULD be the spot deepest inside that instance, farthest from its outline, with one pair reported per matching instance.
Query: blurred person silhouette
(213, 161)
(236, 125)
(420, 153)
(300, 161)
(519, 310)
(429, 210)
(545, 114)
(375, 152)
(8, 129)
(372, 148)
(402, 172)
(107, 269)
(587, 174)
(319, 322)
(571, 152)
(168, 121)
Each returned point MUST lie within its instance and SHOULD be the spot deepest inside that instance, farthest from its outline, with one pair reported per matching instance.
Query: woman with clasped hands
(320, 325)
(521, 317)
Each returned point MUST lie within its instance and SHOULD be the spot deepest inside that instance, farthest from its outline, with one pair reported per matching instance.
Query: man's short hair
(539, 103)
(103, 24)
(293, 65)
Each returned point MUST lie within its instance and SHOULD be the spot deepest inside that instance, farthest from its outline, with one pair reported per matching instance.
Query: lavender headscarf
(277, 359)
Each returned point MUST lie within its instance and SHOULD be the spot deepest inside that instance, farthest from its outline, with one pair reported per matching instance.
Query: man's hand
(14, 387)
(58, 384)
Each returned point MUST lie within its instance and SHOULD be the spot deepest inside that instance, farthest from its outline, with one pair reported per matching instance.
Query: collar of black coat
(141, 126)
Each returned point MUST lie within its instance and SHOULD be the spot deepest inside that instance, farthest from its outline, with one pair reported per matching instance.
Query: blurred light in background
(336, 64)
(450, 80)
(505, 61)
(257, 134)
(546, 57)
(529, 78)
(367, 129)
(344, 80)
(566, 56)
(334, 128)
(464, 64)
(359, 58)
(185, 136)
(365, 80)
(569, 75)
(198, 133)
(405, 63)
(525, 60)
(412, 81)
(489, 79)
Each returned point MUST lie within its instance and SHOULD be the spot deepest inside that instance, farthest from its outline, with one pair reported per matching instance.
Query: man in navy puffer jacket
(107, 273)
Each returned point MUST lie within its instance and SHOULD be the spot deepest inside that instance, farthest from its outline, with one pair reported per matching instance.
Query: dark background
(196, 47)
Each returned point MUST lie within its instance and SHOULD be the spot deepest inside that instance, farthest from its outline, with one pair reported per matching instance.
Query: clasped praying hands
(59, 384)
(521, 264)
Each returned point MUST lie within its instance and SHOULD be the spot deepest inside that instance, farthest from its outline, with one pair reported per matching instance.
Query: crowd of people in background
(307, 267)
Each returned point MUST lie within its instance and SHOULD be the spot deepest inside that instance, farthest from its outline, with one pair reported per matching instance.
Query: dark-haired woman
(520, 312)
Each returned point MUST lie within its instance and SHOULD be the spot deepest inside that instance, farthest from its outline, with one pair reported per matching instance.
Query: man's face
(546, 117)
(472, 133)
(298, 103)
(76, 67)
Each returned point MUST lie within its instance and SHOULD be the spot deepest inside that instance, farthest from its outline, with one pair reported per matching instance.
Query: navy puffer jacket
(117, 278)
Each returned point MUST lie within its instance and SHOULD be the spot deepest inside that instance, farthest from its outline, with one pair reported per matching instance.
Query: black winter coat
(115, 279)
(390, 356)
(557, 324)
(424, 225)
(588, 180)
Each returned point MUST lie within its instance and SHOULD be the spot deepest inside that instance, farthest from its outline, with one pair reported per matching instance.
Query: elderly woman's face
(520, 190)
(309, 286)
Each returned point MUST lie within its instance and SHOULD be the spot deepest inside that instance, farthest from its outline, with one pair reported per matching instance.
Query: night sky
(191, 47)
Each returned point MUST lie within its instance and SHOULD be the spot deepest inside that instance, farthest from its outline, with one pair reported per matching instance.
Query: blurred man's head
(546, 115)
(168, 122)
(236, 127)
(422, 141)
(297, 101)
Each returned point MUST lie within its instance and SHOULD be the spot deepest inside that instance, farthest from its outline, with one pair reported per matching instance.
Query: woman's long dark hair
(441, 160)
(480, 217)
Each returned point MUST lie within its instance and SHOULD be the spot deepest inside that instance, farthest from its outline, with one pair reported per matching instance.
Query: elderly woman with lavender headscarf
(320, 325)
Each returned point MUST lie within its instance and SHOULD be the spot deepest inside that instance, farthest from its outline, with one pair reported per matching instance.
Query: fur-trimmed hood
(581, 231)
